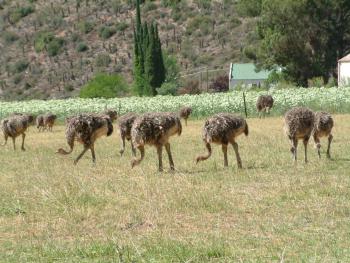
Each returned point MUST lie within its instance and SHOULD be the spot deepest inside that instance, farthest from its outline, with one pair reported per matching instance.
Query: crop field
(334, 100)
(269, 211)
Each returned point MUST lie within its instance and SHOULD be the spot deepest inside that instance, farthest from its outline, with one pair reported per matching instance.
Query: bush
(82, 47)
(105, 86)
(316, 82)
(168, 88)
(55, 47)
(220, 84)
(106, 32)
(20, 66)
(10, 37)
(191, 87)
(149, 6)
(86, 27)
(122, 26)
(21, 12)
(102, 60)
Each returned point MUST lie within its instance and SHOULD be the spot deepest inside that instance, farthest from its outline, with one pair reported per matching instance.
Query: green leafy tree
(305, 37)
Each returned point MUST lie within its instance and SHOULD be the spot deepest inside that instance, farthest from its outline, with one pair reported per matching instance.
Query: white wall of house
(344, 74)
(246, 82)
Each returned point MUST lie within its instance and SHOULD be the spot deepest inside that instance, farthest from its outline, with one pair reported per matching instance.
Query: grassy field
(270, 211)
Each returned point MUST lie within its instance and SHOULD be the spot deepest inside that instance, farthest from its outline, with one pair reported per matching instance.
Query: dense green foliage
(305, 37)
(105, 86)
(149, 69)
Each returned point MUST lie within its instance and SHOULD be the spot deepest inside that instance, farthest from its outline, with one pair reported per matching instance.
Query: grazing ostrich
(298, 124)
(16, 125)
(125, 123)
(45, 121)
(185, 112)
(155, 129)
(113, 115)
(223, 128)
(322, 128)
(264, 104)
(86, 128)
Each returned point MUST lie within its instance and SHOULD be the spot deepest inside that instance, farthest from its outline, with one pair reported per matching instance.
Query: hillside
(51, 48)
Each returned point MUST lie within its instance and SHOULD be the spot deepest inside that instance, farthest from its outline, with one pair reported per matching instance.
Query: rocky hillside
(50, 48)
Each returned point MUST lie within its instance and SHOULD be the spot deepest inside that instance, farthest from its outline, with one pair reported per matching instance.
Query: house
(344, 71)
(247, 74)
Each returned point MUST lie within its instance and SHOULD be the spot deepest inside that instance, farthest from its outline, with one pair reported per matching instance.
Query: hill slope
(51, 48)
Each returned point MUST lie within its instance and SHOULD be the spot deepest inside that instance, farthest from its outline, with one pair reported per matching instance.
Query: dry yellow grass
(52, 211)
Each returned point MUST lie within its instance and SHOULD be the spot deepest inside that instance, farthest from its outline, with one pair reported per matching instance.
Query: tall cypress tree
(149, 69)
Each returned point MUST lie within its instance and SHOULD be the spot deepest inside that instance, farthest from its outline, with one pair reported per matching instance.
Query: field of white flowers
(334, 100)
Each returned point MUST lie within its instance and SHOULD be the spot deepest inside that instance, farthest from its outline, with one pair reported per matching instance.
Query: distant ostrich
(322, 128)
(185, 112)
(16, 125)
(86, 129)
(264, 104)
(125, 123)
(155, 129)
(223, 128)
(45, 121)
(298, 124)
(113, 115)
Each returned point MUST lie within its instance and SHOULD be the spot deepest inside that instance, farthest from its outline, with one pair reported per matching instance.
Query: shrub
(10, 37)
(220, 84)
(191, 87)
(82, 47)
(86, 26)
(122, 26)
(20, 66)
(168, 88)
(102, 60)
(68, 88)
(20, 12)
(316, 82)
(47, 40)
(106, 32)
(55, 47)
(149, 6)
(105, 86)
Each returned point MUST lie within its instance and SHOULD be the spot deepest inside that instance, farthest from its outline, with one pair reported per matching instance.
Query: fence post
(245, 105)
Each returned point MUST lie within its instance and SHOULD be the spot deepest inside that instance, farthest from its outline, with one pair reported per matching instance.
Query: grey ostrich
(125, 123)
(264, 104)
(323, 128)
(298, 125)
(184, 113)
(15, 126)
(86, 129)
(223, 128)
(155, 129)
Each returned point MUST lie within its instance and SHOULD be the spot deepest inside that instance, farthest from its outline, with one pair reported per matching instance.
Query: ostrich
(125, 123)
(86, 129)
(113, 115)
(264, 104)
(298, 124)
(45, 121)
(16, 125)
(223, 128)
(155, 129)
(185, 112)
(322, 128)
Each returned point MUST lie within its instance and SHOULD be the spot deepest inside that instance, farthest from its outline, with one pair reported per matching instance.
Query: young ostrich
(45, 121)
(298, 125)
(185, 112)
(16, 125)
(223, 128)
(125, 123)
(322, 128)
(86, 129)
(155, 129)
(264, 104)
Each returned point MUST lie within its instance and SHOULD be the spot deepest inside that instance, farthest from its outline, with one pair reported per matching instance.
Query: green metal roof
(247, 71)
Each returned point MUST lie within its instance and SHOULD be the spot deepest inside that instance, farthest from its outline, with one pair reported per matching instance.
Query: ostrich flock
(156, 128)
